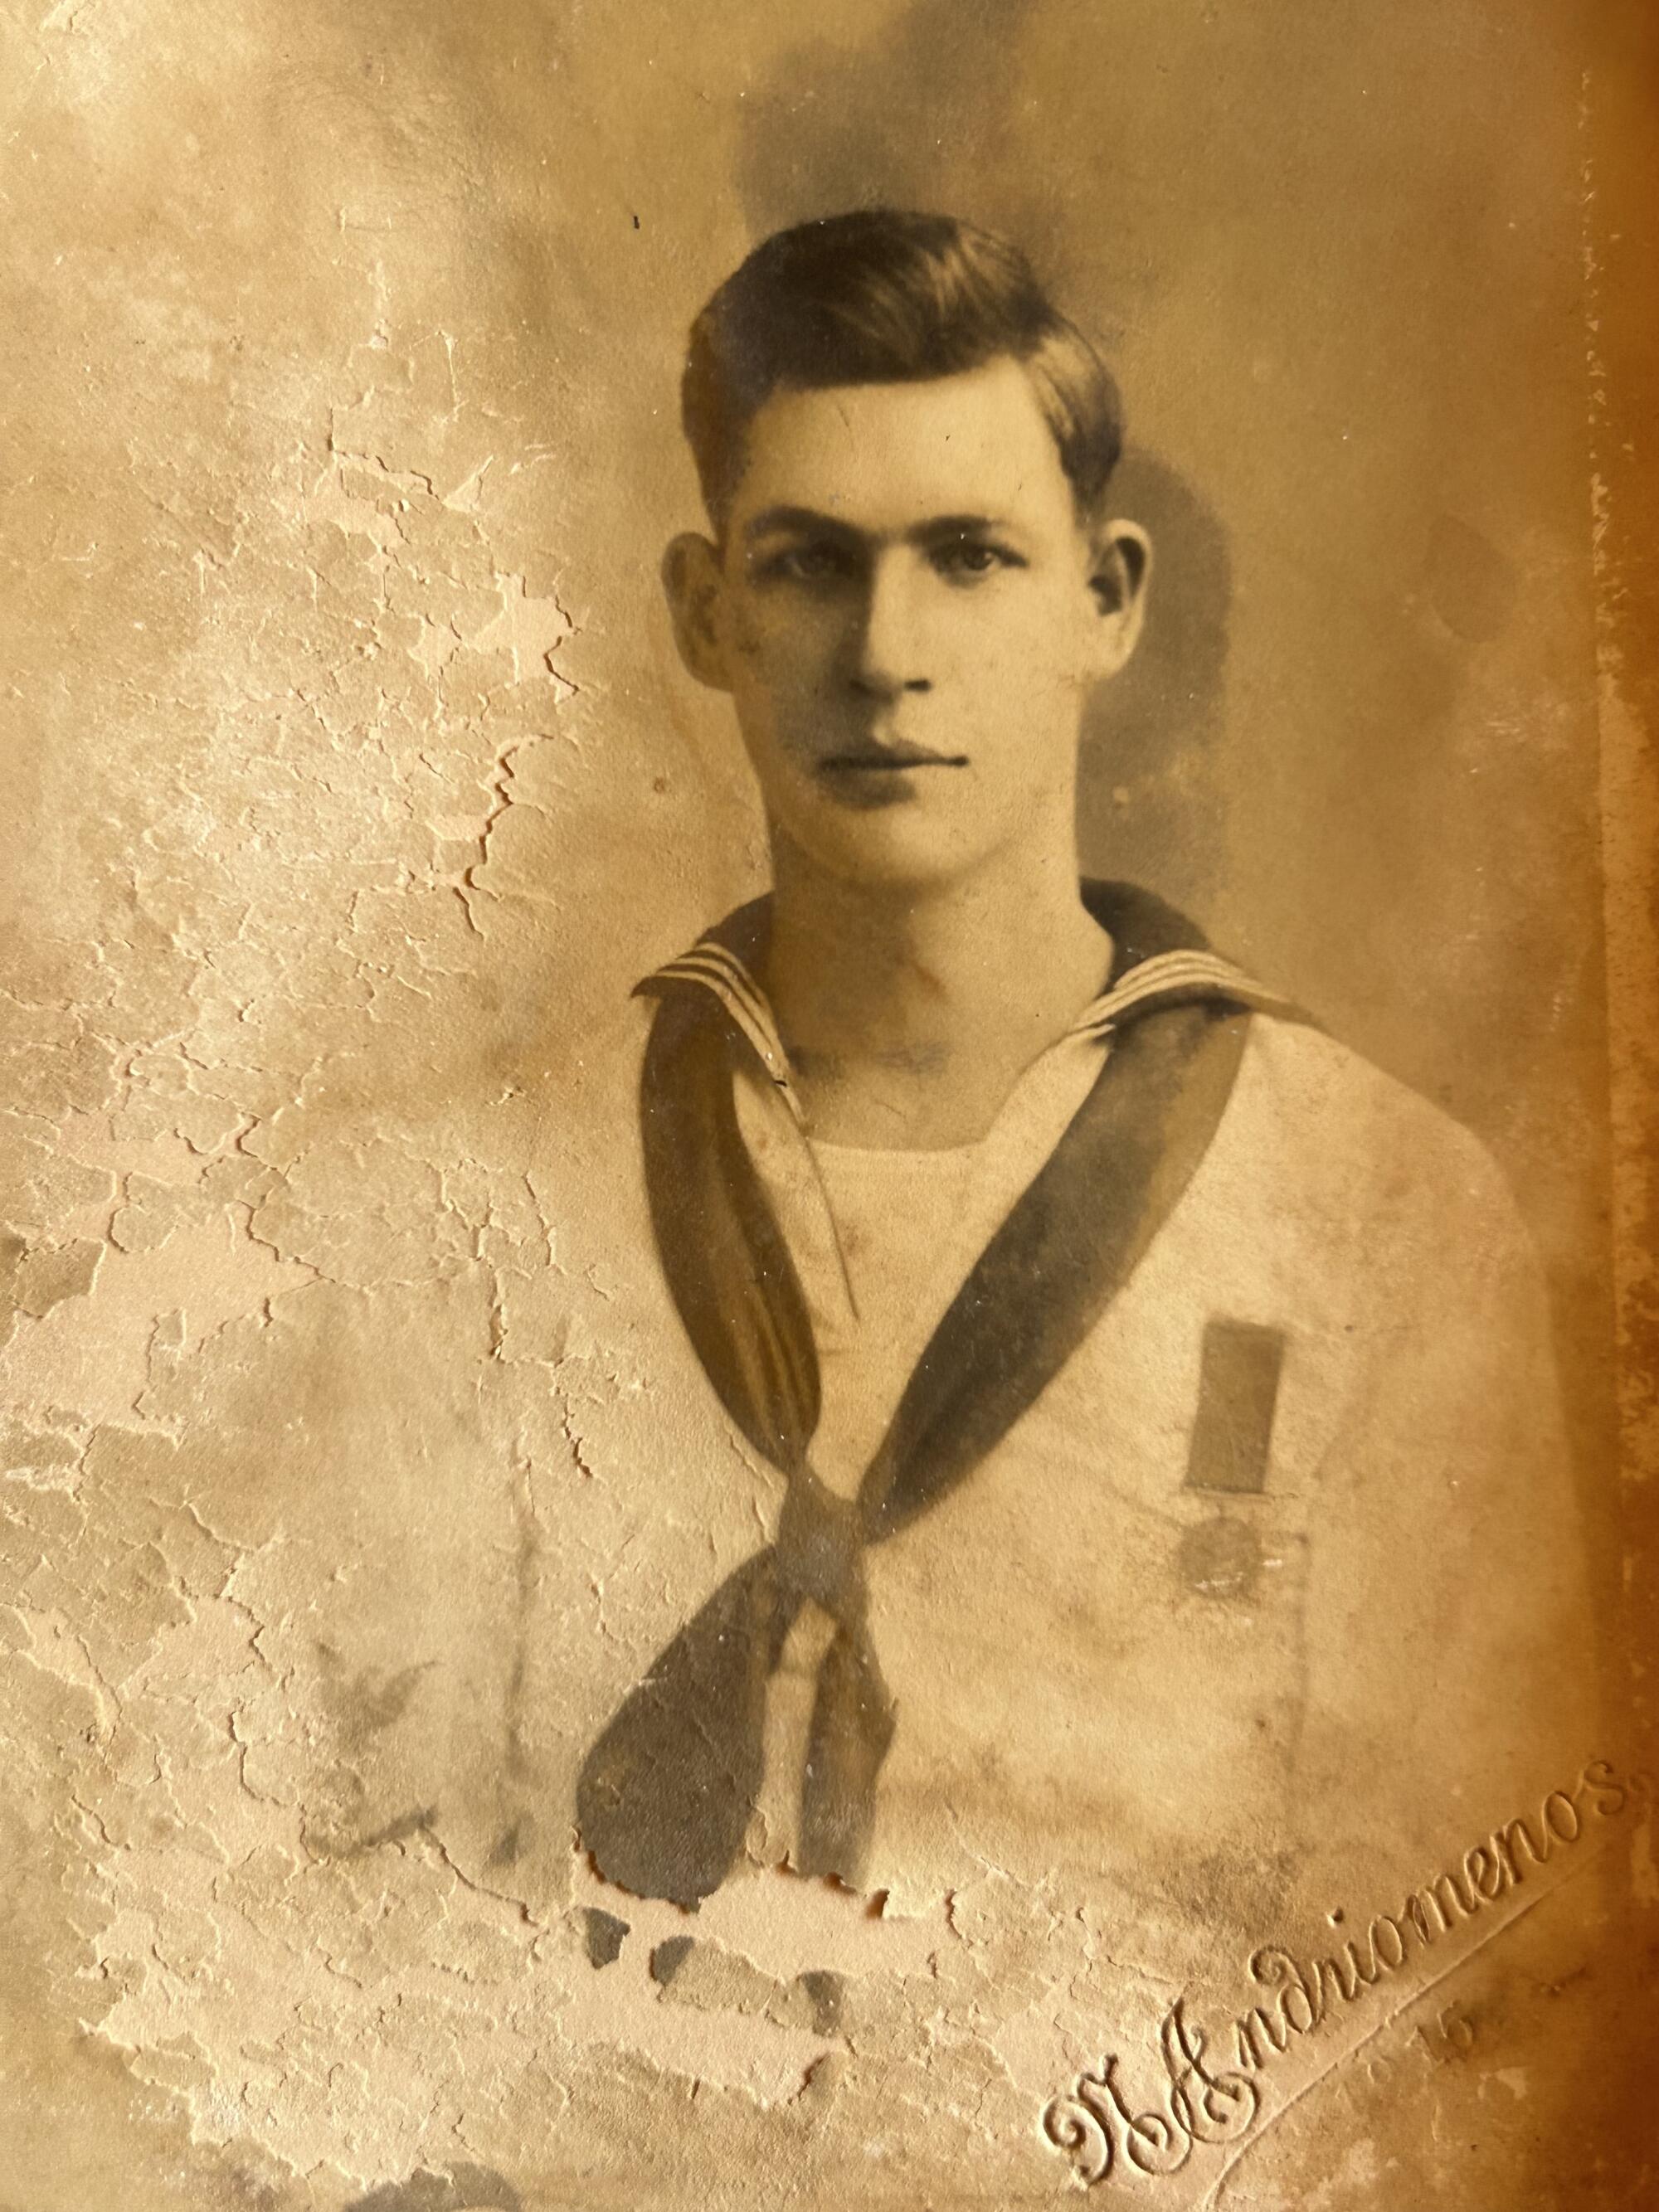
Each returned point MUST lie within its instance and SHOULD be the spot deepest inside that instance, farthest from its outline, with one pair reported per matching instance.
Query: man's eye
(809, 564)
(973, 556)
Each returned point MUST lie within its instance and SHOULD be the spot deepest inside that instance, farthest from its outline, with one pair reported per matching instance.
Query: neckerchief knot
(819, 1549)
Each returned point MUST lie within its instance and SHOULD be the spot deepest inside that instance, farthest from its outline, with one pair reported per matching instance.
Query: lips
(888, 758)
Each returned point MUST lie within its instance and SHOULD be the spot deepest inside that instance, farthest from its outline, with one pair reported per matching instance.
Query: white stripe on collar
(719, 970)
(1177, 979)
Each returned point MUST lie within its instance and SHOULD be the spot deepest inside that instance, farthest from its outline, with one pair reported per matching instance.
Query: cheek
(781, 634)
(778, 687)
(1033, 651)
(783, 672)
(744, 634)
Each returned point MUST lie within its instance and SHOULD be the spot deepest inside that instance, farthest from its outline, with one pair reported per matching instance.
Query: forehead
(883, 457)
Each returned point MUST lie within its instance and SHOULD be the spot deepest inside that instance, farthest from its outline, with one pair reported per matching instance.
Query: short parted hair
(883, 296)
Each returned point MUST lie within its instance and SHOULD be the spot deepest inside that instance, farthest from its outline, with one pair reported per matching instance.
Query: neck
(909, 1013)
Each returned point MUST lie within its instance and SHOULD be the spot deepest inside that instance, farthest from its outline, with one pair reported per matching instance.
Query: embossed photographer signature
(1094, 2123)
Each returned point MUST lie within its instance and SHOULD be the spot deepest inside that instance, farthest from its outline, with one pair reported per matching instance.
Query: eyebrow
(772, 520)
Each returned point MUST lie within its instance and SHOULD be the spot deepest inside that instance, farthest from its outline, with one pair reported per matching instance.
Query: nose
(888, 653)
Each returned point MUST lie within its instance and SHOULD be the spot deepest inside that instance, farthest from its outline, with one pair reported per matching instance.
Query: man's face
(908, 616)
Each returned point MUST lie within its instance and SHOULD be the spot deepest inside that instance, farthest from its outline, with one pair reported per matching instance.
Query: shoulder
(1310, 1073)
(1322, 1121)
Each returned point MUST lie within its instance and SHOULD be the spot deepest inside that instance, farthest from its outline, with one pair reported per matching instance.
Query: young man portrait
(1129, 1438)
(850, 863)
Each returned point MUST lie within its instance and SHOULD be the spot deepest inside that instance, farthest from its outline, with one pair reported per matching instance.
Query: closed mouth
(898, 758)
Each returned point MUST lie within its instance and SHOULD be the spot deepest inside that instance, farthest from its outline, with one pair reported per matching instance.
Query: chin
(895, 847)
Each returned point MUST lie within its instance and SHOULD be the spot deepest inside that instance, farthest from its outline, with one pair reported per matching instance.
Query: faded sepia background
(350, 785)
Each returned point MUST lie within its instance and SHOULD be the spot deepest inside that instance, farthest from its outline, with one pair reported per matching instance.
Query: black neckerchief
(665, 1793)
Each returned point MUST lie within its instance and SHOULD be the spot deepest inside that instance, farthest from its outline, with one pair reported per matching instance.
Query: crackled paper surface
(355, 1466)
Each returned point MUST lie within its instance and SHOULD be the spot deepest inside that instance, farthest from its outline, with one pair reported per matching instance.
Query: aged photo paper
(827, 1332)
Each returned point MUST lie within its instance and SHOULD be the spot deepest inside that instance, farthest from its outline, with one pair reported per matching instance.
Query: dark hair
(882, 296)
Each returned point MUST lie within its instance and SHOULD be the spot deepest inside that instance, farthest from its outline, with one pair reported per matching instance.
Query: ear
(1122, 563)
(695, 585)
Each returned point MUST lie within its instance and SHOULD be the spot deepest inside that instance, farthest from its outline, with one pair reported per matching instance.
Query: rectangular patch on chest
(1237, 1391)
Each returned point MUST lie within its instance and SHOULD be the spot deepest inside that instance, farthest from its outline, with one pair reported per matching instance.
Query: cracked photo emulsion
(827, 1332)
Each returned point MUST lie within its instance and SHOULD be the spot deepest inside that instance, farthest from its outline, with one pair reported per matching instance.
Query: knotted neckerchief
(665, 1793)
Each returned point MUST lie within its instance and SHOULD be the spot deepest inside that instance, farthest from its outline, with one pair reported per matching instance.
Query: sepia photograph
(826, 1263)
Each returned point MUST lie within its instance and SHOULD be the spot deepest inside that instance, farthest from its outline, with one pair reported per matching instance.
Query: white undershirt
(904, 1229)
(895, 1214)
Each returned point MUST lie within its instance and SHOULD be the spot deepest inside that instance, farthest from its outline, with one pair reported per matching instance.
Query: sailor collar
(1158, 958)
